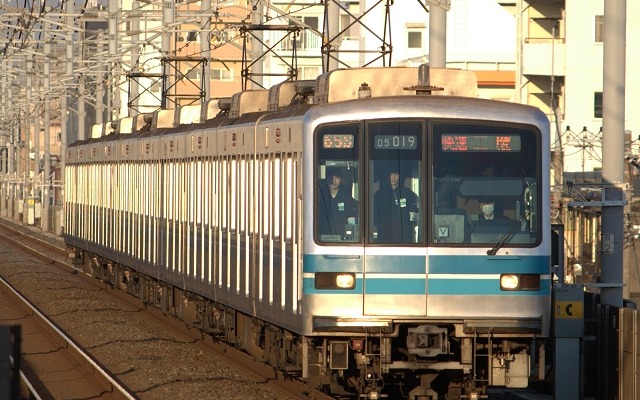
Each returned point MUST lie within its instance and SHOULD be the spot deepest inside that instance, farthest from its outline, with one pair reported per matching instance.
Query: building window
(312, 21)
(221, 74)
(349, 32)
(415, 32)
(599, 29)
(193, 73)
(221, 36)
(414, 40)
(309, 73)
(597, 105)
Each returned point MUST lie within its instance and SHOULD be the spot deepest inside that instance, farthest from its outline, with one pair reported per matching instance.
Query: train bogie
(337, 233)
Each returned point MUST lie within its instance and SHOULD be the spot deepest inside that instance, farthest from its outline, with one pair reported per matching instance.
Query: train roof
(292, 98)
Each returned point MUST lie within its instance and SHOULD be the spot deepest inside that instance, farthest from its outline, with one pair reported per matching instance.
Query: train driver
(395, 211)
(488, 207)
(337, 210)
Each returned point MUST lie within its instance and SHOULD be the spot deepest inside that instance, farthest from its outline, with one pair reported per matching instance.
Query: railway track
(45, 345)
(52, 251)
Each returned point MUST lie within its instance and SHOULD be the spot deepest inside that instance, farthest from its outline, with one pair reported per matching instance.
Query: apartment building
(560, 70)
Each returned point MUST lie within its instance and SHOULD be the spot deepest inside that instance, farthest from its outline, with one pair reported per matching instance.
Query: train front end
(428, 260)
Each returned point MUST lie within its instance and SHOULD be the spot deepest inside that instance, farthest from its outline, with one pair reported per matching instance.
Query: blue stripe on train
(448, 264)
(308, 287)
(415, 286)
(455, 264)
(331, 263)
(480, 287)
(379, 268)
(385, 286)
(441, 287)
(379, 263)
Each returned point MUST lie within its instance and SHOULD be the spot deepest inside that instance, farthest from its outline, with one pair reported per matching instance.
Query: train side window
(337, 188)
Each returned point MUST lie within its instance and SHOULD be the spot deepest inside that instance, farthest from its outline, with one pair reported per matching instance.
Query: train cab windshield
(337, 188)
(485, 185)
(395, 183)
(412, 182)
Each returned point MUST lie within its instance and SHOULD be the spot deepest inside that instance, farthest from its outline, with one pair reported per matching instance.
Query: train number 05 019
(396, 142)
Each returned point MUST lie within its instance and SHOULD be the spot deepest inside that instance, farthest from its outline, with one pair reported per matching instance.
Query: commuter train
(377, 232)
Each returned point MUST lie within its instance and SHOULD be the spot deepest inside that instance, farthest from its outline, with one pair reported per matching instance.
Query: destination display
(478, 143)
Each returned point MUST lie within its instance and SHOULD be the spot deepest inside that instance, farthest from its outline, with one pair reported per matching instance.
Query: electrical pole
(613, 115)
(438, 33)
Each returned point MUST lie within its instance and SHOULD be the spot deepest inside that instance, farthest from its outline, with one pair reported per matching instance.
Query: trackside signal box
(568, 311)
(568, 322)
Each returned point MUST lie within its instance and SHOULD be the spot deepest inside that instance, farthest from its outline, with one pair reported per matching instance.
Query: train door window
(278, 189)
(170, 191)
(144, 209)
(253, 197)
(224, 182)
(265, 185)
(139, 211)
(92, 204)
(485, 184)
(81, 199)
(206, 204)
(274, 195)
(131, 210)
(232, 187)
(143, 197)
(173, 214)
(290, 190)
(337, 184)
(396, 185)
(242, 195)
(136, 210)
(100, 205)
(214, 198)
(215, 191)
(243, 200)
(201, 201)
(126, 218)
(195, 205)
(118, 204)
(156, 194)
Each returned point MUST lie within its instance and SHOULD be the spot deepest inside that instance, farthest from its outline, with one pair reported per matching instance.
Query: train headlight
(509, 282)
(345, 281)
(520, 282)
(335, 280)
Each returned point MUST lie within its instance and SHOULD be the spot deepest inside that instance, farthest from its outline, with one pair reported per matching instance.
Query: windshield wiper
(507, 236)
(528, 199)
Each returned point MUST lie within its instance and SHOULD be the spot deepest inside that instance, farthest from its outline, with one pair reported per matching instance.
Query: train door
(338, 209)
(394, 279)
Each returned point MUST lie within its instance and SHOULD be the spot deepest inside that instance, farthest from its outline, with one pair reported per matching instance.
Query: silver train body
(230, 223)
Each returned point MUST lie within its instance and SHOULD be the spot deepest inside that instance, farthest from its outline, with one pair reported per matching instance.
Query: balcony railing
(306, 40)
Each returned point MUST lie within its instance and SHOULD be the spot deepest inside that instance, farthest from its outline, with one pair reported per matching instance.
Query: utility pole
(205, 45)
(168, 19)
(438, 33)
(257, 38)
(613, 115)
(113, 98)
(46, 178)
